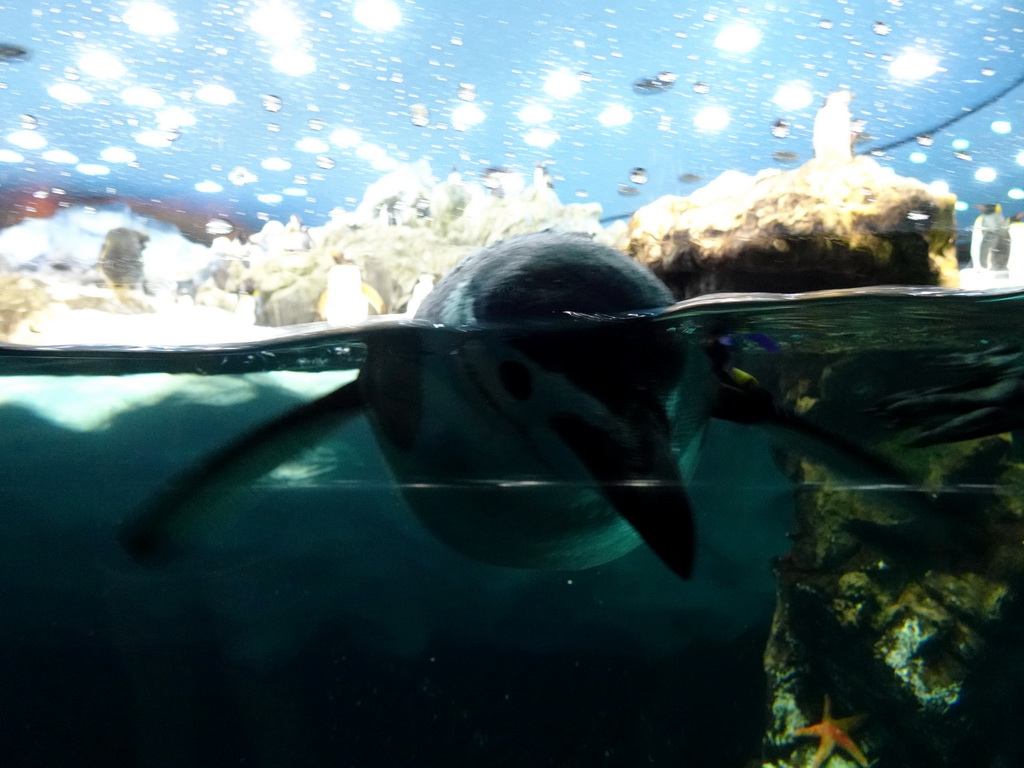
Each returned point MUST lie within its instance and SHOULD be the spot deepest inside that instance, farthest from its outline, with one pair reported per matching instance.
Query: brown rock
(813, 228)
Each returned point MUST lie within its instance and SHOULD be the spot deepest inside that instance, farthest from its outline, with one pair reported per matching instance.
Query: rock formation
(822, 225)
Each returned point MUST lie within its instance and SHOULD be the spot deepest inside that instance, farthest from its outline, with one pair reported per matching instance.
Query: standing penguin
(1015, 232)
(833, 138)
(990, 245)
(348, 298)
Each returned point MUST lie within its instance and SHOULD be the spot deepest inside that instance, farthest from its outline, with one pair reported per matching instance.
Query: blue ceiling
(397, 91)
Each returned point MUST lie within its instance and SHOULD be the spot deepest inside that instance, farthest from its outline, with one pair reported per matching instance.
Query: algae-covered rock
(819, 226)
(904, 606)
(31, 307)
(294, 304)
(393, 252)
(393, 257)
(20, 297)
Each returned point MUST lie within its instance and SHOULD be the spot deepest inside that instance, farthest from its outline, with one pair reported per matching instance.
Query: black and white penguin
(833, 136)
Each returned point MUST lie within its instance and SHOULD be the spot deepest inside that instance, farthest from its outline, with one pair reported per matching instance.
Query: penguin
(348, 298)
(523, 425)
(121, 257)
(833, 137)
(1015, 258)
(989, 238)
(247, 308)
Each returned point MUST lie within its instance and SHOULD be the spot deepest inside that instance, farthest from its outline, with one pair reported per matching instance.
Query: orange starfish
(833, 734)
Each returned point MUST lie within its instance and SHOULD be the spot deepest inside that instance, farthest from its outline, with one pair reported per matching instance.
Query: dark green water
(319, 624)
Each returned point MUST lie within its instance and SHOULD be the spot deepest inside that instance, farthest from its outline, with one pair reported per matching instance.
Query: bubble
(963, 156)
(13, 52)
(638, 175)
(650, 85)
(273, 127)
(240, 176)
(668, 77)
(420, 115)
(780, 129)
(785, 156)
(689, 178)
(467, 92)
(316, 124)
(627, 190)
(826, 24)
(584, 77)
(701, 87)
(925, 140)
(271, 103)
(880, 28)
(28, 122)
(988, 71)
(219, 227)
(324, 162)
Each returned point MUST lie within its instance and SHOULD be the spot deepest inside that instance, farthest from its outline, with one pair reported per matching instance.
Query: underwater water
(317, 621)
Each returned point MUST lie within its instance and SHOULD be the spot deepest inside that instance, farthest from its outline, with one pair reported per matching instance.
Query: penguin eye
(516, 379)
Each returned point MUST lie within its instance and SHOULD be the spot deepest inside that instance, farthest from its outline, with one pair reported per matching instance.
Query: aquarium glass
(408, 383)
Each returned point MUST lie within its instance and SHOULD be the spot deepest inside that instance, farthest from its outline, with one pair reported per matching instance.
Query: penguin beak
(636, 470)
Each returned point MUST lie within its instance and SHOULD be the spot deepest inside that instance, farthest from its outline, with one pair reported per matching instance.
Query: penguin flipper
(742, 400)
(155, 535)
(838, 454)
(376, 301)
(949, 415)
